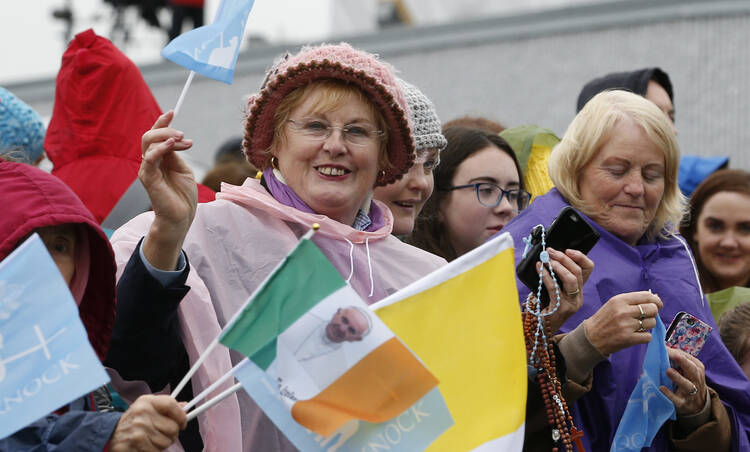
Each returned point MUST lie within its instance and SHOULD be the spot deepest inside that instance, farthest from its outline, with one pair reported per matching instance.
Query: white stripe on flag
(509, 442)
(306, 362)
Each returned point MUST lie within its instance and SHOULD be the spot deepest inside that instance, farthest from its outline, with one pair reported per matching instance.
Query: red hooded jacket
(30, 199)
(102, 108)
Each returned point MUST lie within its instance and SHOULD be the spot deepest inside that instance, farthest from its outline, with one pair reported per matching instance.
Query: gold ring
(643, 315)
(641, 329)
(575, 292)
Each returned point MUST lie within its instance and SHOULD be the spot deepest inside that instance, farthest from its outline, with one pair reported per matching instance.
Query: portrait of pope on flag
(348, 324)
(322, 345)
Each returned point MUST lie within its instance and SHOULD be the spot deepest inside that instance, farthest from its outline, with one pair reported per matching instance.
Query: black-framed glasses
(490, 195)
(319, 130)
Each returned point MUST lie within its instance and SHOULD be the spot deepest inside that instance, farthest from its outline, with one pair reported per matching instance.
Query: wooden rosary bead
(545, 363)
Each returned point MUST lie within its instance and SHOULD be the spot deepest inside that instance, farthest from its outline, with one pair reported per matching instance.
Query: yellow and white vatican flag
(464, 322)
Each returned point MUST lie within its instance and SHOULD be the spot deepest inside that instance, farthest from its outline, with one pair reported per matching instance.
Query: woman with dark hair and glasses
(478, 189)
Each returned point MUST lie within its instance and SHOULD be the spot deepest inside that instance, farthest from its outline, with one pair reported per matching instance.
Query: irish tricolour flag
(332, 358)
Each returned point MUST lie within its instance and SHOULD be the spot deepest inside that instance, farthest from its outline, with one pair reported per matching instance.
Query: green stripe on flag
(265, 356)
(304, 278)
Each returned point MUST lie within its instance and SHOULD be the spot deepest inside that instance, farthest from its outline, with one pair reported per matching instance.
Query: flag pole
(213, 386)
(195, 367)
(313, 229)
(183, 93)
(193, 414)
(215, 342)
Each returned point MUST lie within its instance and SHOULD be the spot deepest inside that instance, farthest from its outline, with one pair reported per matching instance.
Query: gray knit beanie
(427, 127)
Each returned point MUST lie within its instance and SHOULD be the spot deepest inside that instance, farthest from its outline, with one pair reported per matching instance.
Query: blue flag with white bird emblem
(212, 50)
(648, 409)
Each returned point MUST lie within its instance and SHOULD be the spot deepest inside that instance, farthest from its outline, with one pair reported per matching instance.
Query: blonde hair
(330, 95)
(593, 126)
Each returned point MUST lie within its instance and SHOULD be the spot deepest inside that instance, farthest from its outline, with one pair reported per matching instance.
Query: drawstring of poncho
(351, 260)
(369, 264)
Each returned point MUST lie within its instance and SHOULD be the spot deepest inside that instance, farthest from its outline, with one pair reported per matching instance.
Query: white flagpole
(183, 94)
(195, 367)
(215, 342)
(191, 415)
(213, 386)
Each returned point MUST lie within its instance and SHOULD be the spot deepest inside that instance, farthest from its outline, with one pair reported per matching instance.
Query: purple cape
(666, 267)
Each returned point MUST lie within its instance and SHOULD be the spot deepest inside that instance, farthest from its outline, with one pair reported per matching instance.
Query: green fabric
(727, 299)
(303, 279)
(522, 139)
(265, 356)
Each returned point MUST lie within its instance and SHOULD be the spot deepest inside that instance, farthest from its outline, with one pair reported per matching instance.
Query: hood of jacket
(633, 81)
(694, 169)
(102, 108)
(32, 199)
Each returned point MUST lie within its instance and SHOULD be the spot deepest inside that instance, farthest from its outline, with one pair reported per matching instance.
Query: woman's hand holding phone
(569, 231)
(572, 269)
(689, 376)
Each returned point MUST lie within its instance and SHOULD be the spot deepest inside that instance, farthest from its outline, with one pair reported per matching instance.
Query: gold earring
(274, 162)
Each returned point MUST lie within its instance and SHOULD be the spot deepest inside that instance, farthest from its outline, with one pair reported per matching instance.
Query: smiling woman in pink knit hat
(328, 125)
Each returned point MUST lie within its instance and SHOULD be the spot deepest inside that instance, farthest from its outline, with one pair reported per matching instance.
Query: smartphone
(568, 231)
(688, 333)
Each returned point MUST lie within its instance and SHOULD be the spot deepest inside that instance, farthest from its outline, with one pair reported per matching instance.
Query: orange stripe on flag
(382, 385)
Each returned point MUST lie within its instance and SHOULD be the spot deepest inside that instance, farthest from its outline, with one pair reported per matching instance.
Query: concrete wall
(521, 69)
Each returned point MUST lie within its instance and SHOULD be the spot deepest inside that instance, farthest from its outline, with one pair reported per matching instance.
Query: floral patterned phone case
(688, 333)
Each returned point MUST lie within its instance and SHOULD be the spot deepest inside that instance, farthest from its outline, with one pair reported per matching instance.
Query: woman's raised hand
(572, 269)
(171, 187)
(624, 320)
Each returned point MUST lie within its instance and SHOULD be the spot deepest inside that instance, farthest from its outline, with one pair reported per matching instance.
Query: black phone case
(569, 230)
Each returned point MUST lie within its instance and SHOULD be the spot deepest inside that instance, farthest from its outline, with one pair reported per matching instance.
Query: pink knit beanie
(340, 62)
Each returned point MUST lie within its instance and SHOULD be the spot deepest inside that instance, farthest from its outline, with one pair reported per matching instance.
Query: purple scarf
(285, 195)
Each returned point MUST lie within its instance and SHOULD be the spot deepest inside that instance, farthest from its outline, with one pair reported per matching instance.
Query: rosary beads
(541, 355)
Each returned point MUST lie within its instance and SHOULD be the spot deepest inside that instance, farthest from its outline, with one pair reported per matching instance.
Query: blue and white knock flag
(46, 360)
(648, 409)
(212, 50)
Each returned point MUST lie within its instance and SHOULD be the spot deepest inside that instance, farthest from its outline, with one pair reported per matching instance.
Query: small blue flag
(212, 50)
(648, 409)
(46, 360)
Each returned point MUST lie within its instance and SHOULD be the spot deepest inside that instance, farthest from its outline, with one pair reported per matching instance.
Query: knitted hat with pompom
(340, 62)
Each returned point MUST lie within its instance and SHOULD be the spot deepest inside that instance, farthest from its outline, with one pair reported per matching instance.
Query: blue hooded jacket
(31, 199)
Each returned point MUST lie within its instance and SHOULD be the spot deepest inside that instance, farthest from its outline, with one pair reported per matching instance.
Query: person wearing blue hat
(21, 129)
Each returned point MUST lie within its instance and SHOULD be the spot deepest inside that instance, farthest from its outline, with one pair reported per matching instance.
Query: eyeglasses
(319, 130)
(490, 195)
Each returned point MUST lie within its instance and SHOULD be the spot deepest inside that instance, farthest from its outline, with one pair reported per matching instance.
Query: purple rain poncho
(666, 267)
